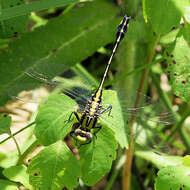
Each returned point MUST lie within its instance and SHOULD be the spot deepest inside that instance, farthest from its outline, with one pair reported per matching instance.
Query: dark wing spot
(35, 174)
(183, 82)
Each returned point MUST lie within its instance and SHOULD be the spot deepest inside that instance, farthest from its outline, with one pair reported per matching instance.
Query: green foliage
(18, 174)
(96, 158)
(11, 11)
(5, 122)
(52, 120)
(116, 121)
(14, 26)
(173, 177)
(72, 35)
(178, 64)
(49, 49)
(163, 15)
(7, 185)
(54, 167)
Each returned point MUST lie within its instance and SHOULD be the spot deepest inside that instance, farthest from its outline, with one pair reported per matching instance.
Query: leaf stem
(129, 151)
(28, 150)
(16, 143)
(14, 134)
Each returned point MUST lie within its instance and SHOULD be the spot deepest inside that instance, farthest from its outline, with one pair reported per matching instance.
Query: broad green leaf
(96, 158)
(173, 177)
(158, 159)
(5, 123)
(53, 48)
(52, 119)
(54, 168)
(7, 185)
(23, 9)
(186, 160)
(13, 26)
(178, 61)
(116, 121)
(163, 14)
(18, 174)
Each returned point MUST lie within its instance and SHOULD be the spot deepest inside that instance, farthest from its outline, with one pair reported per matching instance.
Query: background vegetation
(48, 37)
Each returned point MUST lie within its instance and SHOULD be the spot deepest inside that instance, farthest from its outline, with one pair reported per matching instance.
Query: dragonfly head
(83, 136)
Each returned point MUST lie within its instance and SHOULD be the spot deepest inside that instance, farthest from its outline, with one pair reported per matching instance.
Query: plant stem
(17, 132)
(129, 151)
(17, 146)
(177, 127)
(25, 154)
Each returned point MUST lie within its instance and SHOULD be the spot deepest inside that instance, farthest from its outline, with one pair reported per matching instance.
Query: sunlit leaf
(52, 120)
(18, 174)
(55, 167)
(96, 158)
(173, 177)
(178, 61)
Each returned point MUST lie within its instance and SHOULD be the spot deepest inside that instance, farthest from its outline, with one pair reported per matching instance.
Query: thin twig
(28, 150)
(17, 132)
(17, 146)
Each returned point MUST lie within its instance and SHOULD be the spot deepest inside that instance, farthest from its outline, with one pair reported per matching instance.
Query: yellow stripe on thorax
(95, 103)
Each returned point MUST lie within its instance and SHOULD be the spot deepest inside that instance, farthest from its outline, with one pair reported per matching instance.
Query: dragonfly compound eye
(82, 135)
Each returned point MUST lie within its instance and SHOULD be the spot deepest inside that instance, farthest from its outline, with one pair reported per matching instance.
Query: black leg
(71, 133)
(97, 127)
(109, 108)
(76, 115)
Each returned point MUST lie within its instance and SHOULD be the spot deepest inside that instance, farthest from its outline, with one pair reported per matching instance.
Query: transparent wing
(149, 114)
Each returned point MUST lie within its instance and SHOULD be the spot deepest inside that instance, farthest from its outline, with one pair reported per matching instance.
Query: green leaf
(5, 123)
(52, 119)
(96, 158)
(55, 167)
(158, 159)
(13, 26)
(54, 48)
(23, 9)
(116, 121)
(7, 185)
(178, 58)
(173, 177)
(18, 174)
(163, 15)
(186, 160)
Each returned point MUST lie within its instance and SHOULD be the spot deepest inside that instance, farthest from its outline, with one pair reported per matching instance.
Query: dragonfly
(91, 107)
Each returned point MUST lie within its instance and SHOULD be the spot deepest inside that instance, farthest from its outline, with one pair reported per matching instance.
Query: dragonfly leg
(76, 115)
(98, 129)
(109, 108)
